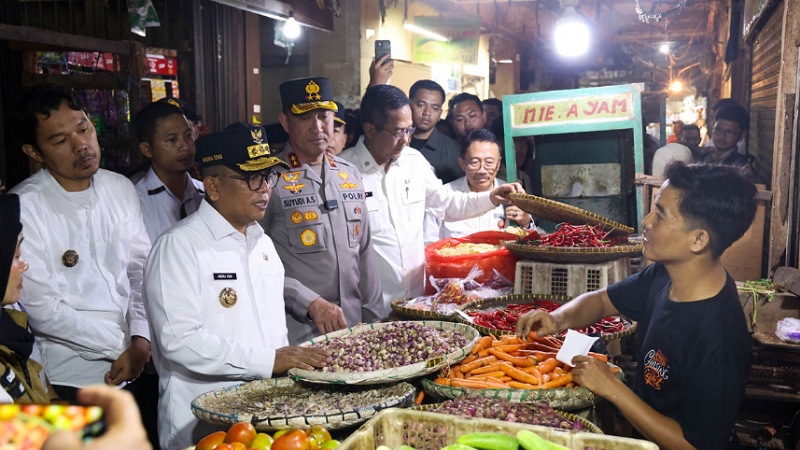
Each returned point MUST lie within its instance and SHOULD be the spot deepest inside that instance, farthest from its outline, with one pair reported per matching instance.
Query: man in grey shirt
(317, 218)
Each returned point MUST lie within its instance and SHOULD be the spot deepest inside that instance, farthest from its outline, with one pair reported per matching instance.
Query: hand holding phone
(380, 71)
(124, 430)
(382, 48)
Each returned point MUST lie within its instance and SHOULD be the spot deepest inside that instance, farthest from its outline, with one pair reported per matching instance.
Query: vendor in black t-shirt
(694, 345)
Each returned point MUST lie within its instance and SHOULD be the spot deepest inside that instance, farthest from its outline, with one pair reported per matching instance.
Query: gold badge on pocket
(70, 258)
(228, 297)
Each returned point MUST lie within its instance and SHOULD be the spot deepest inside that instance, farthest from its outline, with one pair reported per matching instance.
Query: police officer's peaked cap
(302, 95)
(243, 149)
(340, 113)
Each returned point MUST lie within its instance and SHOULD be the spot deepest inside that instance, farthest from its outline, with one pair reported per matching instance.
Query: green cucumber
(490, 441)
(458, 447)
(532, 441)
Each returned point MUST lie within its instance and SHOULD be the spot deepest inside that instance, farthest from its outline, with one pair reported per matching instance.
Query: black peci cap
(188, 111)
(243, 149)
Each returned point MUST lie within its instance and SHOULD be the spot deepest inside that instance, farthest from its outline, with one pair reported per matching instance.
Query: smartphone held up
(27, 427)
(383, 47)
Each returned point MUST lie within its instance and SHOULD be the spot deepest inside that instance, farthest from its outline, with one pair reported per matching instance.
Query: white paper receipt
(575, 344)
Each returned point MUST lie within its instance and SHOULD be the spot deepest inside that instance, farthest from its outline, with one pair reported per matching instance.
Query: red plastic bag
(459, 266)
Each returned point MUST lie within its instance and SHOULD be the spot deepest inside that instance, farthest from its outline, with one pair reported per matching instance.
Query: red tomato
(293, 440)
(211, 441)
(241, 432)
(224, 447)
(238, 446)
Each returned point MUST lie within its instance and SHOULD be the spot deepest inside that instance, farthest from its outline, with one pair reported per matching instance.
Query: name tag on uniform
(224, 276)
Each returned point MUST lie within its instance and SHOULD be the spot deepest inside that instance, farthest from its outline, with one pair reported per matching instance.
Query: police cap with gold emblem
(244, 149)
(302, 95)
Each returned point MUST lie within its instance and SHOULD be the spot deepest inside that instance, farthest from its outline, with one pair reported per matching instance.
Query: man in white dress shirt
(214, 287)
(167, 192)
(480, 161)
(399, 184)
(86, 244)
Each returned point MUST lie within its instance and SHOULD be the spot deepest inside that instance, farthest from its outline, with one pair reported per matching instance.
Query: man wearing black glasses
(214, 286)
(318, 219)
(731, 124)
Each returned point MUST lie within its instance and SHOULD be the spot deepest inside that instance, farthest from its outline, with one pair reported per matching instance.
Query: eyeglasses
(488, 164)
(256, 180)
(401, 133)
(724, 132)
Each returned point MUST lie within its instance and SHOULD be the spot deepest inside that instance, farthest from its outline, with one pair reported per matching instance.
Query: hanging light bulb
(571, 34)
(676, 86)
(291, 29)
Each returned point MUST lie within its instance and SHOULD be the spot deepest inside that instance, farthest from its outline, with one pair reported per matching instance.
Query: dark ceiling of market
(626, 37)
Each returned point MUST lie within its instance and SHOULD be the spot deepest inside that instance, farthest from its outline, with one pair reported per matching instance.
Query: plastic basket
(432, 431)
(568, 279)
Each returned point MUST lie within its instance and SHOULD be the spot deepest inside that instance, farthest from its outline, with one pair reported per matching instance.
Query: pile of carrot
(512, 363)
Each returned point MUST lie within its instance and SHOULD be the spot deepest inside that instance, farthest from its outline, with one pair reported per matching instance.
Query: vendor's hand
(519, 216)
(539, 321)
(124, 430)
(380, 70)
(307, 358)
(327, 316)
(594, 375)
(130, 363)
(500, 194)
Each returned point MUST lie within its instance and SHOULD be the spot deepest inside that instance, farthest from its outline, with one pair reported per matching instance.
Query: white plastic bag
(788, 330)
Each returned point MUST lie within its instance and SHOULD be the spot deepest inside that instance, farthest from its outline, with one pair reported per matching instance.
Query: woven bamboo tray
(587, 425)
(489, 303)
(255, 402)
(416, 314)
(432, 431)
(567, 399)
(394, 374)
(558, 212)
(581, 255)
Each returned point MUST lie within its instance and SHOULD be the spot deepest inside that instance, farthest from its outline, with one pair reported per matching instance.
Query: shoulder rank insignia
(330, 159)
(293, 160)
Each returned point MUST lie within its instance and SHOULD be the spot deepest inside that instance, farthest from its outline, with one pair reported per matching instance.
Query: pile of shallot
(395, 345)
(499, 409)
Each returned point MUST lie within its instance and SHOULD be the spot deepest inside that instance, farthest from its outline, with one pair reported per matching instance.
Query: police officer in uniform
(317, 217)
